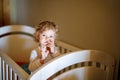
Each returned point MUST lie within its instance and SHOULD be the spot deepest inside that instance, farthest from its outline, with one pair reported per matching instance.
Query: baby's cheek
(42, 41)
(52, 41)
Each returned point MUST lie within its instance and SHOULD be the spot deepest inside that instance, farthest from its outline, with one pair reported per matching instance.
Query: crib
(16, 42)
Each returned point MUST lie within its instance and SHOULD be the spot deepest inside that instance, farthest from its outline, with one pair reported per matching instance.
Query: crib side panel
(9, 70)
(65, 47)
(89, 64)
(17, 41)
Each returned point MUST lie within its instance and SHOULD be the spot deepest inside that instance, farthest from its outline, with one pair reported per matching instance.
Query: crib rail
(65, 48)
(9, 70)
(79, 65)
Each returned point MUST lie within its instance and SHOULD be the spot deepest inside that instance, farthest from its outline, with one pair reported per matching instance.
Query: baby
(45, 35)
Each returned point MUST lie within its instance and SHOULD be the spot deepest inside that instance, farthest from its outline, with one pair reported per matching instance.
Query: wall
(1, 13)
(91, 24)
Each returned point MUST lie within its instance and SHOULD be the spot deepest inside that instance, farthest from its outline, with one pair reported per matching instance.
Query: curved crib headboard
(17, 41)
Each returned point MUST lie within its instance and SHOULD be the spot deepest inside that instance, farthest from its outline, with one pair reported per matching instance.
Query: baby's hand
(44, 52)
(51, 47)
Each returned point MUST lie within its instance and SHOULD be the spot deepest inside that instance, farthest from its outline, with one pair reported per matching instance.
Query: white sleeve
(34, 61)
(33, 55)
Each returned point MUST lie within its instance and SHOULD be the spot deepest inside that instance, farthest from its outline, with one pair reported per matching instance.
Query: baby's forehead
(50, 31)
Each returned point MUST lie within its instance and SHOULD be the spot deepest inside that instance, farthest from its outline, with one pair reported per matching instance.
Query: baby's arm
(34, 61)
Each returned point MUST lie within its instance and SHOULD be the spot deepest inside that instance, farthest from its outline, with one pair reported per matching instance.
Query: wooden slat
(11, 76)
(0, 68)
(67, 46)
(3, 72)
(7, 72)
(16, 68)
(90, 60)
(15, 76)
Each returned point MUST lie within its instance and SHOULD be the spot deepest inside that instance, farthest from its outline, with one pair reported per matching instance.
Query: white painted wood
(20, 37)
(0, 68)
(84, 73)
(67, 46)
(11, 75)
(3, 66)
(15, 76)
(6, 72)
(7, 49)
(71, 55)
(16, 28)
(76, 57)
(16, 68)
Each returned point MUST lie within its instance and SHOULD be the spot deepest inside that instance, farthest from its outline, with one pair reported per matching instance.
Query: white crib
(16, 42)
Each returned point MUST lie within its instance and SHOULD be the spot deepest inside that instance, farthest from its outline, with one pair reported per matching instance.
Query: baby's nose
(47, 38)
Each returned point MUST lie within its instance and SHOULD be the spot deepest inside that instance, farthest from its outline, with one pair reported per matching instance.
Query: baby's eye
(43, 35)
(51, 36)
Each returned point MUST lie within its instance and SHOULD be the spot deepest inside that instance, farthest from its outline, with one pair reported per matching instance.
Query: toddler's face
(47, 37)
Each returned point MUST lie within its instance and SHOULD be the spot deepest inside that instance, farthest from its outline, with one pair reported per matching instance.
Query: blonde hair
(43, 26)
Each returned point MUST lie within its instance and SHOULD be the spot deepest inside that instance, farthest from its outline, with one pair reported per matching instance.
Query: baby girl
(45, 35)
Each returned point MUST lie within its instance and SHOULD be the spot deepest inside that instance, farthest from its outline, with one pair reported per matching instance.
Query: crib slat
(21, 79)
(11, 71)
(15, 76)
(62, 50)
(7, 72)
(11, 76)
(3, 64)
(0, 69)
(67, 46)
(19, 72)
